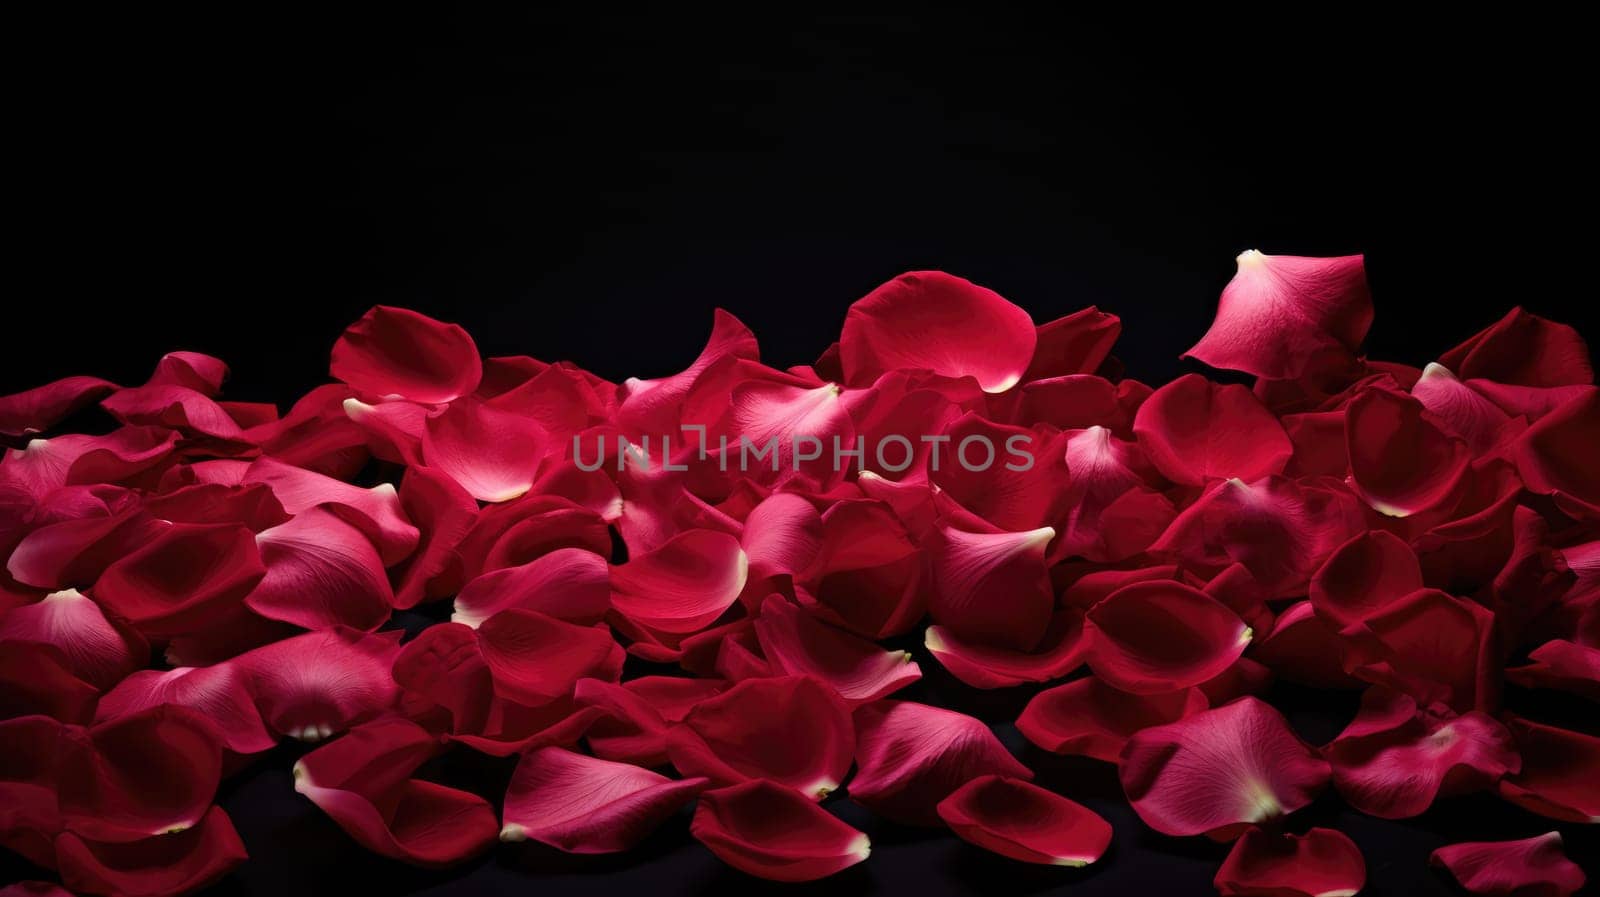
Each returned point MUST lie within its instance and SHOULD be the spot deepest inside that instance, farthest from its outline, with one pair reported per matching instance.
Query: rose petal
(638, 713)
(682, 586)
(1304, 648)
(187, 578)
(1022, 821)
(444, 514)
(583, 805)
(149, 773)
(97, 651)
(793, 730)
(1090, 718)
(1553, 459)
(775, 833)
(1401, 462)
(798, 644)
(929, 320)
(376, 511)
(1560, 775)
(991, 587)
(166, 865)
(568, 584)
(310, 686)
(1462, 410)
(1015, 479)
(321, 572)
(1320, 863)
(36, 679)
(652, 406)
(398, 352)
(987, 666)
(1533, 867)
(911, 756)
(1154, 637)
(1280, 311)
(1195, 430)
(782, 534)
(363, 780)
(220, 692)
(1220, 771)
(1073, 344)
(38, 409)
(1432, 646)
(1563, 665)
(493, 454)
(1363, 576)
(535, 658)
(1525, 350)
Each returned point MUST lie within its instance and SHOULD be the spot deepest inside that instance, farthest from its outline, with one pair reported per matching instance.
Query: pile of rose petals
(203, 579)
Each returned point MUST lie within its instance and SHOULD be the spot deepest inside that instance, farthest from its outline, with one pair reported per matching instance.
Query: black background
(591, 189)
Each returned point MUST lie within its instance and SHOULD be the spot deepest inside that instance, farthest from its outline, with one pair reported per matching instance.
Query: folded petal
(1525, 350)
(1553, 456)
(585, 805)
(36, 679)
(164, 865)
(798, 644)
(1304, 648)
(929, 320)
(1087, 717)
(444, 514)
(398, 352)
(493, 454)
(149, 773)
(982, 665)
(1393, 760)
(220, 692)
(97, 651)
(1074, 344)
(321, 572)
(1401, 461)
(792, 730)
(1533, 867)
(535, 658)
(773, 832)
(1022, 821)
(1320, 863)
(1562, 665)
(1220, 771)
(1462, 410)
(991, 587)
(186, 578)
(1161, 636)
(911, 756)
(363, 780)
(568, 584)
(1195, 430)
(782, 534)
(376, 511)
(1560, 775)
(684, 585)
(310, 686)
(1363, 576)
(1015, 479)
(1280, 311)
(38, 409)
(1432, 646)
(638, 714)
(651, 407)
(192, 413)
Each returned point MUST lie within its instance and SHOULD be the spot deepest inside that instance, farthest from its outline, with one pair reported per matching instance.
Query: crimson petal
(97, 651)
(1090, 718)
(220, 692)
(1533, 867)
(398, 352)
(1153, 637)
(166, 865)
(1560, 775)
(38, 409)
(1022, 821)
(310, 686)
(798, 644)
(584, 805)
(493, 454)
(568, 584)
(1195, 430)
(773, 832)
(911, 756)
(991, 587)
(1401, 462)
(376, 511)
(684, 585)
(149, 773)
(1320, 863)
(793, 730)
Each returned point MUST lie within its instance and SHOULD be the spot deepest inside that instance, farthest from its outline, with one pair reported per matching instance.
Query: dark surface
(592, 189)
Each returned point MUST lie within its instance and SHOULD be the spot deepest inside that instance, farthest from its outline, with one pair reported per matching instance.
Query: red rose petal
(1393, 760)
(1362, 576)
(782, 534)
(1280, 311)
(1220, 771)
(1432, 646)
(1022, 821)
(651, 407)
(797, 644)
(35, 679)
(444, 514)
(568, 584)
(398, 352)
(535, 658)
(166, 865)
(988, 666)
(1302, 647)
(310, 686)
(991, 587)
(773, 832)
(1195, 430)
(1320, 863)
(1463, 411)
(376, 511)
(97, 651)
(1074, 344)
(682, 586)
(1525, 350)
(363, 781)
(1401, 462)
(149, 773)
(38, 409)
(1087, 717)
(583, 805)
(929, 320)
(638, 714)
(1006, 497)
(493, 454)
(321, 572)
(186, 578)
(911, 756)
(1533, 867)
(1553, 456)
(792, 730)
(1563, 665)
(220, 692)
(1154, 637)
(1560, 775)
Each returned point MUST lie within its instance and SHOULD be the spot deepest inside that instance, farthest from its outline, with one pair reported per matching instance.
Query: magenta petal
(159, 866)
(1401, 462)
(983, 665)
(798, 644)
(1153, 637)
(583, 805)
(1560, 775)
(911, 756)
(535, 658)
(313, 685)
(493, 454)
(1195, 430)
(1022, 821)
(991, 587)
(376, 511)
(792, 730)
(774, 833)
(38, 409)
(398, 352)
(220, 692)
(684, 585)
(1534, 867)
(1319, 863)
(321, 572)
(568, 584)
(1090, 718)
(96, 651)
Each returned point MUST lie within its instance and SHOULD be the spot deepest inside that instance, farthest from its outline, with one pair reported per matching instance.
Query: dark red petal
(149, 773)
(96, 651)
(1560, 775)
(991, 587)
(1074, 344)
(398, 352)
(1525, 350)
(167, 865)
(219, 692)
(871, 579)
(444, 513)
(376, 511)
(651, 407)
(791, 730)
(1090, 718)
(638, 712)
(392, 430)
(1022, 821)
(186, 578)
(1319, 863)
(568, 584)
(1281, 311)
(684, 585)
(310, 686)
(1195, 430)
(363, 781)
(1401, 462)
(34, 889)
(1154, 637)
(1553, 456)
(163, 405)
(1462, 410)
(929, 320)
(35, 679)
(773, 832)
(493, 454)
(1533, 867)
(1362, 576)
(535, 658)
(1563, 665)
(782, 534)
(321, 572)
(987, 666)
(798, 644)
(583, 805)
(40, 408)
(1006, 498)
(1220, 771)
(1392, 761)
(1432, 646)
(912, 756)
